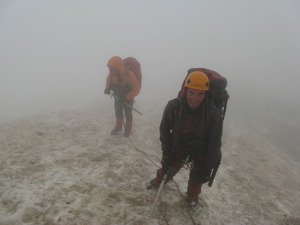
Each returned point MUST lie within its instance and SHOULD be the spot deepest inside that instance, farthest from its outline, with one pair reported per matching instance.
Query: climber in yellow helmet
(190, 132)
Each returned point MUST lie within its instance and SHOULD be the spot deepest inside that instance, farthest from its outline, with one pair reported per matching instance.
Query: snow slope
(65, 168)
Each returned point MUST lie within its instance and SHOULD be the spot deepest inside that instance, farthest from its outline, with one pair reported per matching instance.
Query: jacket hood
(117, 63)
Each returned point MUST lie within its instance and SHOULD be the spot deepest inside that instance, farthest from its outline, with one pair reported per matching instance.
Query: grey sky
(54, 53)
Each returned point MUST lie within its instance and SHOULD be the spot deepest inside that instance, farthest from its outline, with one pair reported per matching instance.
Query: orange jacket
(127, 78)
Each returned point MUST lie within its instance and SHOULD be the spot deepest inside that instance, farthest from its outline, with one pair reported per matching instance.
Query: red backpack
(133, 65)
(217, 88)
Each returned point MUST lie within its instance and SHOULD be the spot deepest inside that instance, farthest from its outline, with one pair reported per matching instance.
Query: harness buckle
(188, 163)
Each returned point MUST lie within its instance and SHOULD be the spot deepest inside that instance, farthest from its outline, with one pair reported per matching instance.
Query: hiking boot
(115, 131)
(128, 127)
(118, 127)
(126, 134)
(192, 203)
(153, 184)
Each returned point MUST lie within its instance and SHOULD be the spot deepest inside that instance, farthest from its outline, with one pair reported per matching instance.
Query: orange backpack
(133, 65)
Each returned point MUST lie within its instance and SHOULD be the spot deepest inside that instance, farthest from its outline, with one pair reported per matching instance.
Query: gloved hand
(204, 175)
(107, 91)
(166, 163)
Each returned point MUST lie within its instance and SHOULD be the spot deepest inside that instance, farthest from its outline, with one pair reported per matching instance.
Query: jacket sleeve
(214, 154)
(108, 80)
(135, 87)
(166, 128)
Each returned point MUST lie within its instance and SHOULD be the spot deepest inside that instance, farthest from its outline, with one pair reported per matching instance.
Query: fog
(55, 119)
(54, 53)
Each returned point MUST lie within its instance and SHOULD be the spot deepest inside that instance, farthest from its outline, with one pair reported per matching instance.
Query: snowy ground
(65, 168)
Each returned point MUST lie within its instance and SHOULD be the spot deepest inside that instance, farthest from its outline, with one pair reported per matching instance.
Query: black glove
(204, 176)
(107, 91)
(166, 163)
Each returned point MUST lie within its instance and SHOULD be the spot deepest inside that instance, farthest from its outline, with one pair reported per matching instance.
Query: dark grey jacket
(192, 131)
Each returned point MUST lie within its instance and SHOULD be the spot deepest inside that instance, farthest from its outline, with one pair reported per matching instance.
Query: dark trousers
(121, 109)
(194, 187)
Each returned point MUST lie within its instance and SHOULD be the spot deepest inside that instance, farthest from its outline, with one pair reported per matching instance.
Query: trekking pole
(116, 97)
(158, 193)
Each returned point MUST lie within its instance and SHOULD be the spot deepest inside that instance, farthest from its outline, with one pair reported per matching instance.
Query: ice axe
(158, 193)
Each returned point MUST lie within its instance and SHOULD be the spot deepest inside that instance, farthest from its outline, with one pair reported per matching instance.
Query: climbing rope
(136, 148)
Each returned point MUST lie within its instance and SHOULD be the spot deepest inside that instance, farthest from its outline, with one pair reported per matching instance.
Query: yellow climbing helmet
(197, 80)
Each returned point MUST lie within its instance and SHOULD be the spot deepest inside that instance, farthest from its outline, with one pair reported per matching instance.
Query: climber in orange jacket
(125, 87)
